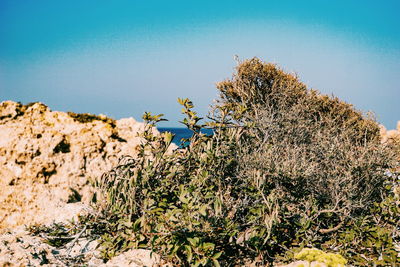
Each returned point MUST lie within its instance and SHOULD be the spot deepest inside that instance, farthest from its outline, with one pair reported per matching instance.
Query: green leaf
(194, 241)
(168, 136)
(156, 210)
(203, 210)
(208, 246)
(216, 255)
(217, 206)
(189, 253)
(216, 263)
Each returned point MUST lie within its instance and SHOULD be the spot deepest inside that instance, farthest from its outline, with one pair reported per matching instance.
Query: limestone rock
(135, 258)
(390, 135)
(49, 159)
(19, 248)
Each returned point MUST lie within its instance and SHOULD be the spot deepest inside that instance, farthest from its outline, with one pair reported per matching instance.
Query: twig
(77, 236)
(330, 230)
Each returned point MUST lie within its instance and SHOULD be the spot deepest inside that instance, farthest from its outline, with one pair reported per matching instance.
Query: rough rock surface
(19, 248)
(48, 160)
(390, 134)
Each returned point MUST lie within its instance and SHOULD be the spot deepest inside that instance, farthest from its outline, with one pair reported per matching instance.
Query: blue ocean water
(181, 133)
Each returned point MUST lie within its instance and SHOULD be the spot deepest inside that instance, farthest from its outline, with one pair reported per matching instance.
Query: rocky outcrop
(49, 160)
(390, 135)
(20, 248)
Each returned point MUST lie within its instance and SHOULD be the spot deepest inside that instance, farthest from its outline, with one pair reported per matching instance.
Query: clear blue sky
(122, 58)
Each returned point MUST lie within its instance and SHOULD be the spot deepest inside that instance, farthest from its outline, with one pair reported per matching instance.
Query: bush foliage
(286, 168)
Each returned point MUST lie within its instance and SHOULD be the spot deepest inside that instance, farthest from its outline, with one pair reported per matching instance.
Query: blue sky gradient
(122, 58)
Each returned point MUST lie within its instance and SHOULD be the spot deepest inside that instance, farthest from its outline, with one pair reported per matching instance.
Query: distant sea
(181, 133)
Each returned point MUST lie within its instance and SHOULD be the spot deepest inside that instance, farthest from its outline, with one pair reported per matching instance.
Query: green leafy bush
(285, 168)
(330, 259)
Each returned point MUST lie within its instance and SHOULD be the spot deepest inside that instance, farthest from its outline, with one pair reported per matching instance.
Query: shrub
(285, 168)
(87, 117)
(330, 259)
(319, 152)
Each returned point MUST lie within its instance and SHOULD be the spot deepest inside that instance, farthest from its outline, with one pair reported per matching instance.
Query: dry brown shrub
(318, 152)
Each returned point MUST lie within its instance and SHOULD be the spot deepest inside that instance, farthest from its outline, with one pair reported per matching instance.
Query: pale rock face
(48, 160)
(19, 248)
(135, 258)
(8, 110)
(390, 135)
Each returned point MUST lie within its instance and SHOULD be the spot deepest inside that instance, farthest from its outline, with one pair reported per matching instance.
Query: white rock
(44, 154)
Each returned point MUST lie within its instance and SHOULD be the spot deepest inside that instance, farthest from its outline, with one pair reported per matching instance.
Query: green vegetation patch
(330, 259)
(87, 117)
